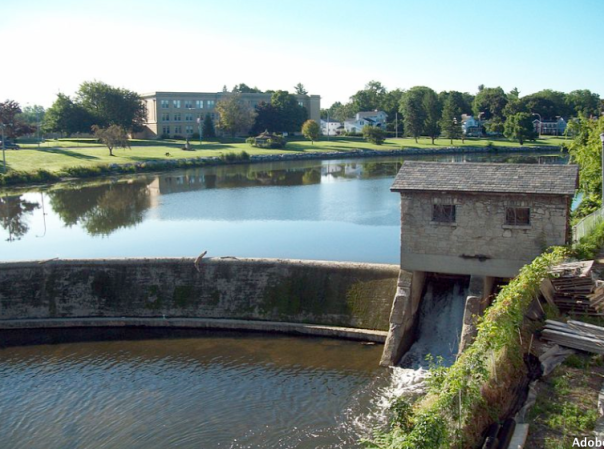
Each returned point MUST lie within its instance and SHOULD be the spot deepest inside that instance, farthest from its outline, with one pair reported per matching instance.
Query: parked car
(9, 145)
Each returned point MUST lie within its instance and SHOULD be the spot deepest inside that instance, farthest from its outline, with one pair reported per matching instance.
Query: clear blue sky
(333, 47)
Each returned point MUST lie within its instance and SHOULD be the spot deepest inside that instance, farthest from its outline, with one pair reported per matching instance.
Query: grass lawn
(54, 155)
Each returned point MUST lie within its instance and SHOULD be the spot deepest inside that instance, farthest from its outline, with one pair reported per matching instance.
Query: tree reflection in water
(14, 212)
(102, 209)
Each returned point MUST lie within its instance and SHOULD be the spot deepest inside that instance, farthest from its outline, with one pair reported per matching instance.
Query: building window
(517, 216)
(443, 213)
(177, 130)
(176, 104)
(165, 117)
(177, 117)
(199, 104)
(165, 104)
(301, 103)
(210, 103)
(188, 117)
(189, 130)
(188, 104)
(166, 130)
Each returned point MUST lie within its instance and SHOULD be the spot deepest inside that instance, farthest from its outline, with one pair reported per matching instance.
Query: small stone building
(482, 219)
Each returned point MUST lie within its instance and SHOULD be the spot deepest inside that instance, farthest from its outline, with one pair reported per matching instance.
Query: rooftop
(550, 179)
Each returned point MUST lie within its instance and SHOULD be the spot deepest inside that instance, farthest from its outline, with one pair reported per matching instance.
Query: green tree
(33, 115)
(414, 114)
(433, 113)
(450, 122)
(374, 134)
(235, 116)
(370, 98)
(112, 106)
(289, 114)
(113, 136)
(245, 89)
(489, 103)
(207, 130)
(311, 130)
(11, 119)
(67, 117)
(584, 102)
(586, 150)
(267, 118)
(300, 89)
(520, 127)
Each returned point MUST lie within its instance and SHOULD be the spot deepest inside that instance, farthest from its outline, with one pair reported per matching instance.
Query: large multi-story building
(172, 114)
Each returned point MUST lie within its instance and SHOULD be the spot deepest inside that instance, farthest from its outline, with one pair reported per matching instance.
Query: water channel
(134, 389)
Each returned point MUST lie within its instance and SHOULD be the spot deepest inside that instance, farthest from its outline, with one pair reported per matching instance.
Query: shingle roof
(478, 177)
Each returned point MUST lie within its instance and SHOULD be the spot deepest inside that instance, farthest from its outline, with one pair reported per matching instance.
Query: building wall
(328, 293)
(155, 123)
(479, 230)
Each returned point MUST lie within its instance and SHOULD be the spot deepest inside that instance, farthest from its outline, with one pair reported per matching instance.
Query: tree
(267, 118)
(207, 130)
(300, 89)
(289, 115)
(433, 113)
(235, 116)
(245, 89)
(311, 130)
(10, 117)
(450, 122)
(67, 117)
(374, 134)
(32, 115)
(490, 101)
(414, 115)
(586, 150)
(520, 127)
(584, 102)
(370, 98)
(113, 136)
(112, 106)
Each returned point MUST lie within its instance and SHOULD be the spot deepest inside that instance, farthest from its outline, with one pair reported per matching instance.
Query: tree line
(424, 112)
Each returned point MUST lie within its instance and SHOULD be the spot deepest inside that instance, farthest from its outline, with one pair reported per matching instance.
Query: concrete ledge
(201, 323)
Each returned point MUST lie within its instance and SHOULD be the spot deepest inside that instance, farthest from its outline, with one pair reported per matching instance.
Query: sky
(333, 47)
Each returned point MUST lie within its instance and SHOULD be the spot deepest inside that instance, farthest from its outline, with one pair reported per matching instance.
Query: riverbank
(86, 159)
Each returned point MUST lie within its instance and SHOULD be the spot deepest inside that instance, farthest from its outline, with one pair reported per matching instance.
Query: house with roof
(482, 219)
(550, 127)
(470, 126)
(362, 119)
(331, 127)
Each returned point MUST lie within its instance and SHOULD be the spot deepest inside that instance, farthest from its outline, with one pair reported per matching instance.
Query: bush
(374, 134)
(235, 157)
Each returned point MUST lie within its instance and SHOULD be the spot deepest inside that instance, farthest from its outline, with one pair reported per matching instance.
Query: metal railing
(587, 224)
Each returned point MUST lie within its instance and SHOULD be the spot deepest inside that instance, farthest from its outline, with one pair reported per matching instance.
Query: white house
(470, 126)
(331, 127)
(371, 118)
(550, 127)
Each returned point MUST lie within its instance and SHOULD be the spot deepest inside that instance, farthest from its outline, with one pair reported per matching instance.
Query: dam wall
(351, 295)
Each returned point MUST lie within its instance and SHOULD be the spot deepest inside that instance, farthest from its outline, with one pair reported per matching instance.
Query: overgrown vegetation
(473, 393)
(589, 246)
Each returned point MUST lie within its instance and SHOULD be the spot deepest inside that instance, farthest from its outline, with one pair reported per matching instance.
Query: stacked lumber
(575, 335)
(572, 287)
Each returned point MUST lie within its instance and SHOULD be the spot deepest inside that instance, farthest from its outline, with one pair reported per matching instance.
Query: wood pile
(573, 290)
(575, 335)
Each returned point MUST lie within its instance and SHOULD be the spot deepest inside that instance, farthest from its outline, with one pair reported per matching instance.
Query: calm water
(330, 210)
(193, 390)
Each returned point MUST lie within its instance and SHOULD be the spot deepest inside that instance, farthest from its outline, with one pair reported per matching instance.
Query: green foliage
(586, 150)
(374, 134)
(414, 114)
(311, 130)
(490, 101)
(300, 89)
(235, 157)
(520, 127)
(113, 136)
(235, 116)
(207, 130)
(589, 246)
(450, 121)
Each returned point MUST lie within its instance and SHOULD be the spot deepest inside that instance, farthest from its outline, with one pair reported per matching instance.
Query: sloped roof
(548, 179)
(365, 114)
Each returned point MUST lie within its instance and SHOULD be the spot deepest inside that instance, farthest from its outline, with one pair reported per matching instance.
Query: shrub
(374, 134)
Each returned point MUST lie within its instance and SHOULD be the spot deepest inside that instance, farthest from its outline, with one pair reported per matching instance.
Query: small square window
(443, 213)
(165, 104)
(199, 104)
(176, 104)
(517, 216)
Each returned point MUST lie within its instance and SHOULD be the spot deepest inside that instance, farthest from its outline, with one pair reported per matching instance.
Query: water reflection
(101, 209)
(14, 214)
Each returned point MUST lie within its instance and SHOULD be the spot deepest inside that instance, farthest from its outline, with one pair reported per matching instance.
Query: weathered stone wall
(479, 242)
(340, 294)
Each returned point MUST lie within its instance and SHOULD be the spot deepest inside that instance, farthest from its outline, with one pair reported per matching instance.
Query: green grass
(55, 156)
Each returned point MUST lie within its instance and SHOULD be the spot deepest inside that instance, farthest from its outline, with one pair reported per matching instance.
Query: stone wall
(330, 293)
(479, 242)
